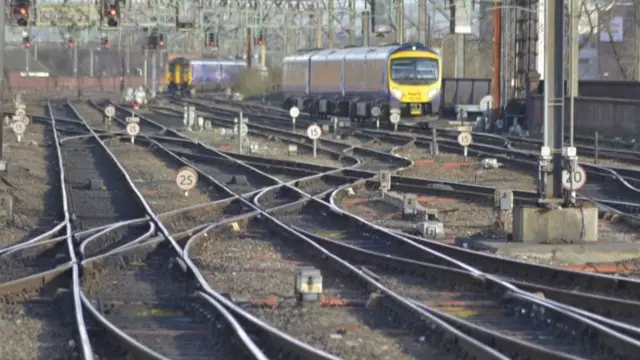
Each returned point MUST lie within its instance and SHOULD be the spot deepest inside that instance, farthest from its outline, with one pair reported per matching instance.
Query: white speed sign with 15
(133, 129)
(186, 179)
(314, 132)
(394, 118)
(579, 177)
(465, 139)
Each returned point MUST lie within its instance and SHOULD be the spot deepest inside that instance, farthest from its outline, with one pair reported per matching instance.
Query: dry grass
(254, 82)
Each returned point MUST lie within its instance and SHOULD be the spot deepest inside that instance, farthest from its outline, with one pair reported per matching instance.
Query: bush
(255, 82)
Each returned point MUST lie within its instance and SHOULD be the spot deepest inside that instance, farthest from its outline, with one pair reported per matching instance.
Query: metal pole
(26, 60)
(399, 22)
(422, 21)
(2, 80)
(554, 86)
(145, 66)
(154, 73)
(75, 61)
(319, 29)
(497, 46)
(352, 22)
(575, 65)
(330, 24)
(459, 55)
(365, 28)
(91, 66)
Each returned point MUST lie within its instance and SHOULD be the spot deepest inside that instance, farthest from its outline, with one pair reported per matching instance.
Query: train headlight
(396, 94)
(432, 93)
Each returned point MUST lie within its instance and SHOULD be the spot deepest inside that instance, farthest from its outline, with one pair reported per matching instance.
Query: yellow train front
(186, 76)
(350, 82)
(179, 77)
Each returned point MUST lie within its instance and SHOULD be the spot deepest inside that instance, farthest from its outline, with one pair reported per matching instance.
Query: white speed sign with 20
(579, 178)
(465, 139)
(186, 179)
(314, 132)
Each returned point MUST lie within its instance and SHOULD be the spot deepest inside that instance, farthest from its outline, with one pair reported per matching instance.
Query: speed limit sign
(465, 139)
(575, 180)
(186, 179)
(314, 132)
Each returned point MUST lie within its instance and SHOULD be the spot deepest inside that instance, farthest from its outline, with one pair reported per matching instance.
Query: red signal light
(112, 11)
(27, 45)
(260, 42)
(22, 11)
(212, 44)
(161, 43)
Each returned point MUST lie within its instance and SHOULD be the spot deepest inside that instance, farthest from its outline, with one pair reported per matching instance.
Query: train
(351, 81)
(186, 76)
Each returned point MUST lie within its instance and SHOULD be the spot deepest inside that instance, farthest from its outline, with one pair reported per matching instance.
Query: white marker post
(240, 129)
(375, 112)
(133, 129)
(395, 118)
(314, 132)
(574, 181)
(109, 113)
(19, 128)
(465, 139)
(294, 112)
(186, 179)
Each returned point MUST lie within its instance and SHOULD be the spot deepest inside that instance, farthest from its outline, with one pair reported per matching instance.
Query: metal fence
(609, 117)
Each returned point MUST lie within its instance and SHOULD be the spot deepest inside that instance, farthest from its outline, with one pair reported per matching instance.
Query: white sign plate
(244, 129)
(294, 112)
(19, 127)
(395, 111)
(186, 179)
(314, 132)
(465, 139)
(132, 119)
(375, 111)
(394, 118)
(110, 110)
(133, 129)
(20, 113)
(579, 179)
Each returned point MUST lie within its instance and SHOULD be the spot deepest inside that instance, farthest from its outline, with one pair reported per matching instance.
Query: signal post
(559, 215)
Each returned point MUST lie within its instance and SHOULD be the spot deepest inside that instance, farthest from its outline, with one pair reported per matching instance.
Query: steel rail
(84, 343)
(470, 344)
(134, 344)
(612, 335)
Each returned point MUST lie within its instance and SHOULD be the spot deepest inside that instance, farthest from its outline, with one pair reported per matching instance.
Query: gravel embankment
(256, 267)
(33, 181)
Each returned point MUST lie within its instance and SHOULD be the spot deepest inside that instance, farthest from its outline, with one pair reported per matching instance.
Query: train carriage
(185, 76)
(349, 82)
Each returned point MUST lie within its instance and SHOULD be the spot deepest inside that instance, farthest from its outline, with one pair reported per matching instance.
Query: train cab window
(414, 71)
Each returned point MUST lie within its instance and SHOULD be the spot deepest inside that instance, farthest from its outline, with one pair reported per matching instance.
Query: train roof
(356, 52)
(211, 61)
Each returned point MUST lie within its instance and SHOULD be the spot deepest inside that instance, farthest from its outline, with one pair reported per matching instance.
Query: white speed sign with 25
(579, 177)
(133, 129)
(19, 127)
(110, 110)
(314, 132)
(294, 112)
(186, 179)
(465, 139)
